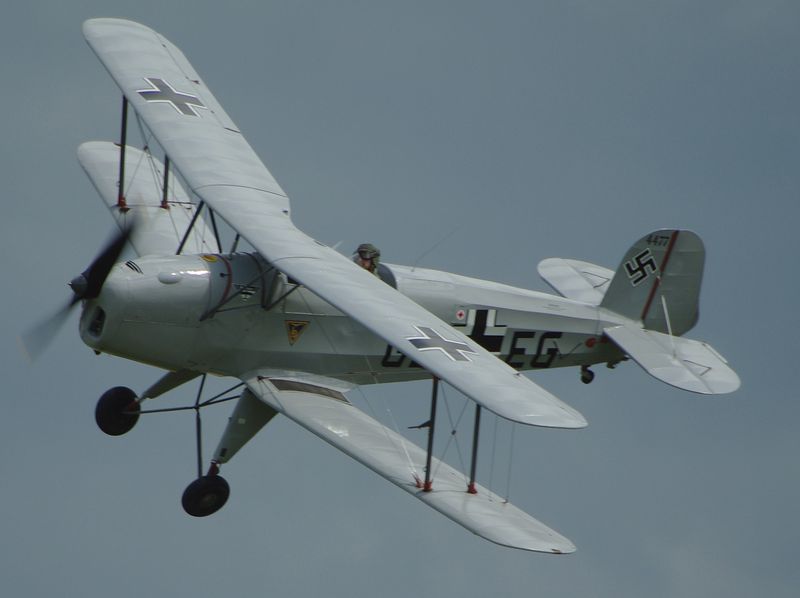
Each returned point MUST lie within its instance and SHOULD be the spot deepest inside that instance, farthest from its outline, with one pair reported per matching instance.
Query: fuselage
(231, 314)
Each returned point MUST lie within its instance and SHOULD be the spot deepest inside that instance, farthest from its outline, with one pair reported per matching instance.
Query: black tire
(205, 496)
(117, 411)
(587, 376)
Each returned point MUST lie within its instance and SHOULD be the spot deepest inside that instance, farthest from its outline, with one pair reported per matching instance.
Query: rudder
(663, 268)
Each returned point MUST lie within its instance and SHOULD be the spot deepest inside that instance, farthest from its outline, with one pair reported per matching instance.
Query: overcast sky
(532, 130)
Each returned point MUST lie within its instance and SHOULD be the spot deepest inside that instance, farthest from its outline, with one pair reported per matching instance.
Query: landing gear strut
(587, 375)
(117, 411)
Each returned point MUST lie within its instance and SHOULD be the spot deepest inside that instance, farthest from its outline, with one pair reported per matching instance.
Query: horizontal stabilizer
(575, 279)
(682, 362)
(158, 230)
(326, 413)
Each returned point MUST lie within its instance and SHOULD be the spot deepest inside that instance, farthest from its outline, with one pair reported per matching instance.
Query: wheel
(117, 411)
(587, 375)
(205, 496)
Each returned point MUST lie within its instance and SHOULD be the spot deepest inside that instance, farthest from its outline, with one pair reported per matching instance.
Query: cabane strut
(121, 203)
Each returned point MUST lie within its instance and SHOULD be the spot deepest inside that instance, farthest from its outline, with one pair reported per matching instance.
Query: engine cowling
(150, 308)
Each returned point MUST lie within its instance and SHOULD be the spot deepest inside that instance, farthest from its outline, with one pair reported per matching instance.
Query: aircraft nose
(79, 285)
(103, 312)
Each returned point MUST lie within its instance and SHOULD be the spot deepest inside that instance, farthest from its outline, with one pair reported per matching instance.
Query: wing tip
(566, 547)
(557, 545)
(575, 420)
(96, 25)
(566, 418)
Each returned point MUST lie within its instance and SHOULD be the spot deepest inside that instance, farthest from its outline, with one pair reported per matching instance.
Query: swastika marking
(640, 267)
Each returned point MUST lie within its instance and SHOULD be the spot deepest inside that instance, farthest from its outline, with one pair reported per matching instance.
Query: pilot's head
(367, 256)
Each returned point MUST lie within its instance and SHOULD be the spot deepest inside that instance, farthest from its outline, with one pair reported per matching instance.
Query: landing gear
(206, 495)
(587, 375)
(117, 411)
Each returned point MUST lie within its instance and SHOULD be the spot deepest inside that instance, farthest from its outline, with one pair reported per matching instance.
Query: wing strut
(121, 203)
(190, 227)
(214, 228)
(471, 487)
(428, 485)
(199, 427)
(196, 215)
(164, 192)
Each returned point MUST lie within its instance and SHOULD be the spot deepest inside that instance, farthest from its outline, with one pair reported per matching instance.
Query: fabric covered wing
(329, 416)
(222, 169)
(159, 231)
(176, 105)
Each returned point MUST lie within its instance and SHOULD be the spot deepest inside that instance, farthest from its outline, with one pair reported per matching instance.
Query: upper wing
(163, 229)
(187, 120)
(331, 417)
(223, 170)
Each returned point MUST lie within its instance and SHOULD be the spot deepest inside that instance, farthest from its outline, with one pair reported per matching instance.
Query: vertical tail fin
(658, 281)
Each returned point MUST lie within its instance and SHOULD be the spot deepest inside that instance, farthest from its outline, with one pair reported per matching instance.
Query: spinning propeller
(86, 285)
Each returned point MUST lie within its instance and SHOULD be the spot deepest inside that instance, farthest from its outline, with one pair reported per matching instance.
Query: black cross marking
(641, 267)
(431, 339)
(161, 91)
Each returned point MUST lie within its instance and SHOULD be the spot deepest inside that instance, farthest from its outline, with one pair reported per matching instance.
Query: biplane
(300, 325)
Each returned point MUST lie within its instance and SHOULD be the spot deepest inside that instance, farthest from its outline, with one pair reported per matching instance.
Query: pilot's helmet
(368, 251)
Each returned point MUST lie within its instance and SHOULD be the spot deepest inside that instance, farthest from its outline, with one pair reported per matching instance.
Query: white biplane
(300, 325)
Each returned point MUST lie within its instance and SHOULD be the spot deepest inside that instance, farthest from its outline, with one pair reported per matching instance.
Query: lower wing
(326, 413)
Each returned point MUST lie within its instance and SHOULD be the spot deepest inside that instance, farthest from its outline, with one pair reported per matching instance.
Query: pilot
(367, 256)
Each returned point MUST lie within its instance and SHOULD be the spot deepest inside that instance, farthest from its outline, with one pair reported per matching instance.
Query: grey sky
(532, 129)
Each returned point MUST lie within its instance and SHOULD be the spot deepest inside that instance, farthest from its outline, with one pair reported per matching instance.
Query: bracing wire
(147, 137)
(510, 459)
(412, 468)
(435, 245)
(142, 156)
(143, 131)
(158, 182)
(494, 447)
(453, 437)
(153, 169)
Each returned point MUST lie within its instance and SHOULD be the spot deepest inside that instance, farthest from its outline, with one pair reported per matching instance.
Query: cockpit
(369, 257)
